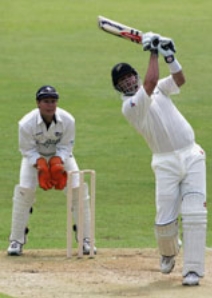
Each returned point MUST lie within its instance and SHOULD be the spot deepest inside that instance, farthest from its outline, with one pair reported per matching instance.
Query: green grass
(4, 296)
(58, 43)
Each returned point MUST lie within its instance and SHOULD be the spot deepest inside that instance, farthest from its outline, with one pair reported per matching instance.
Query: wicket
(92, 188)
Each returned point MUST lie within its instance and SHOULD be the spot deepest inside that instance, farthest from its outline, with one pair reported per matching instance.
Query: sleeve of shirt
(168, 86)
(65, 147)
(27, 145)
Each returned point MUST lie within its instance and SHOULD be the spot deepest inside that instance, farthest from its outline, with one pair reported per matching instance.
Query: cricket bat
(120, 30)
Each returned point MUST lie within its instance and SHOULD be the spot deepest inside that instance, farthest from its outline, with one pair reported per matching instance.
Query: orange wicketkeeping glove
(58, 173)
(44, 176)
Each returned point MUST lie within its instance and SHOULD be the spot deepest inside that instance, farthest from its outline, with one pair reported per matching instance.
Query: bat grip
(155, 42)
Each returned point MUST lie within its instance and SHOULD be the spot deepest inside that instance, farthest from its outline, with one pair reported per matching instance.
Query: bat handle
(156, 41)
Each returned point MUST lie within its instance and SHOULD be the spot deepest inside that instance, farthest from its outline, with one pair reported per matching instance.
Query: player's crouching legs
(168, 244)
(23, 200)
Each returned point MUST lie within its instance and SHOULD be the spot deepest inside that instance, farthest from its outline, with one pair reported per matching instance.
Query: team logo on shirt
(132, 104)
(58, 134)
(50, 142)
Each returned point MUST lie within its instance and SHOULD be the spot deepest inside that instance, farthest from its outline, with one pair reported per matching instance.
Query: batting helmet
(118, 71)
(46, 92)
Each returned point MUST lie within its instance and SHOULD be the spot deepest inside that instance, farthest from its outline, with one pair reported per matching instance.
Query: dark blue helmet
(119, 71)
(46, 92)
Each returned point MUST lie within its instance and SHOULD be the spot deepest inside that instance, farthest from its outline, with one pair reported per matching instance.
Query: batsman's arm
(166, 48)
(152, 74)
(179, 78)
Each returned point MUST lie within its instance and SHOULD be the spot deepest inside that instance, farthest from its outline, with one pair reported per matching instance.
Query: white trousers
(28, 174)
(177, 174)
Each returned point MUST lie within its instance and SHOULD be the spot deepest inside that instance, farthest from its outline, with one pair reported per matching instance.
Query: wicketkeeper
(46, 140)
(177, 161)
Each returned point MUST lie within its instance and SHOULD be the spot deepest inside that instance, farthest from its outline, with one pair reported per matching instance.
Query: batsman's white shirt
(35, 140)
(157, 119)
(178, 162)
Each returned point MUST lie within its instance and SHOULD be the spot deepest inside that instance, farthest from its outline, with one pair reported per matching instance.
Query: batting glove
(150, 41)
(166, 48)
(58, 173)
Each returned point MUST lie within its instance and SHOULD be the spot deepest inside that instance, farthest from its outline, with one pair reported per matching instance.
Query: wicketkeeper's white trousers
(28, 174)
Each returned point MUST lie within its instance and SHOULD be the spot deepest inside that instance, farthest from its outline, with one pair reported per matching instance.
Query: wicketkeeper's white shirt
(157, 119)
(36, 140)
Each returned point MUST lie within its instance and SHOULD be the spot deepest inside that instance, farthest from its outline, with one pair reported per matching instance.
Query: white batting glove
(150, 41)
(166, 48)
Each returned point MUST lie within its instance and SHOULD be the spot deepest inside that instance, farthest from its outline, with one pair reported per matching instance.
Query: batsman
(178, 161)
(46, 141)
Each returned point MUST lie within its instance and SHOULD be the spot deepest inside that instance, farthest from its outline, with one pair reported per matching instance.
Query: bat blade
(120, 30)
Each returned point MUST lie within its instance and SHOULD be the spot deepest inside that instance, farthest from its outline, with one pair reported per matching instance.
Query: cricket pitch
(112, 273)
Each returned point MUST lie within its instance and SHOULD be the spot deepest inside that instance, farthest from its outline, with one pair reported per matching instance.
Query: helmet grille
(120, 70)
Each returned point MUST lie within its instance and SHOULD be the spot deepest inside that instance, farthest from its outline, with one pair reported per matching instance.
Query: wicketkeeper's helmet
(120, 70)
(46, 92)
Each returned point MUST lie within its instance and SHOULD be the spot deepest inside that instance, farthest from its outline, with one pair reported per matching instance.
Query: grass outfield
(58, 43)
